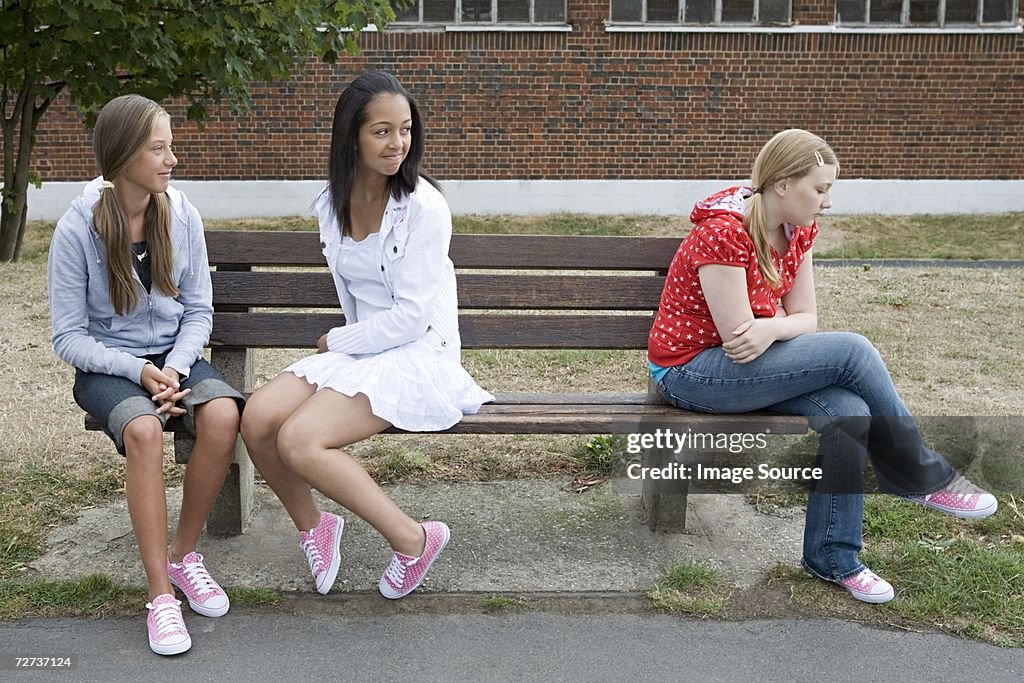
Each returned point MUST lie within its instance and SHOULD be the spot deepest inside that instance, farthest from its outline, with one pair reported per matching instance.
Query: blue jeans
(840, 383)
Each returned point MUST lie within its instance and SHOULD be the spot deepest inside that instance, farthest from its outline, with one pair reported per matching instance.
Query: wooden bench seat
(515, 292)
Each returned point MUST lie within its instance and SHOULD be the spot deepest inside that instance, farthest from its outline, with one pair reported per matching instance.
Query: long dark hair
(349, 117)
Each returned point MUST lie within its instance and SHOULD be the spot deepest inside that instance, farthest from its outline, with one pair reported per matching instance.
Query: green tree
(204, 51)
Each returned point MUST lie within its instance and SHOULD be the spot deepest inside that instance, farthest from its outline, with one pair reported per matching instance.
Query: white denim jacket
(414, 237)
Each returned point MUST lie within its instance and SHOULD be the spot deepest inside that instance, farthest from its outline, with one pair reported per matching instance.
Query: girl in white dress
(385, 230)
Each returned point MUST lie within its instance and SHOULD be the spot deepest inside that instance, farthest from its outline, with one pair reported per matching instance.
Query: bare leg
(309, 444)
(264, 414)
(147, 502)
(216, 430)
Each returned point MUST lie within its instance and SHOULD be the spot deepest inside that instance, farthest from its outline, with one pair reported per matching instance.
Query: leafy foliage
(206, 52)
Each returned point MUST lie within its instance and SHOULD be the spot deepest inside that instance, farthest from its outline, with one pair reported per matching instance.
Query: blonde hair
(123, 130)
(789, 155)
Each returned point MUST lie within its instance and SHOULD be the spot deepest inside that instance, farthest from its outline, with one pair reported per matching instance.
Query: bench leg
(233, 507)
(664, 499)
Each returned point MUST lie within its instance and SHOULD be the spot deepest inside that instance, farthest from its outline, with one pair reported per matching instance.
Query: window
(703, 11)
(477, 12)
(926, 12)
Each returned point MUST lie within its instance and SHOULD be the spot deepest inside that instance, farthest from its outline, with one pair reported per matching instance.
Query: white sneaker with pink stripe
(205, 595)
(960, 498)
(868, 586)
(323, 552)
(167, 632)
(405, 574)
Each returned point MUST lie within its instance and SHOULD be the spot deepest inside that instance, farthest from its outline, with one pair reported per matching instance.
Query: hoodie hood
(181, 224)
(89, 333)
(731, 201)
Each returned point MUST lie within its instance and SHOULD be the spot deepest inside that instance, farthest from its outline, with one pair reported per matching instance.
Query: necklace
(140, 245)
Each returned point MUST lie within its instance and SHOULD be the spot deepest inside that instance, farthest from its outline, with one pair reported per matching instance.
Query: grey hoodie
(89, 334)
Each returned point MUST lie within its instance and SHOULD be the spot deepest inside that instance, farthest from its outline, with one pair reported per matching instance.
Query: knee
(218, 417)
(259, 422)
(143, 438)
(861, 350)
(845, 411)
(290, 443)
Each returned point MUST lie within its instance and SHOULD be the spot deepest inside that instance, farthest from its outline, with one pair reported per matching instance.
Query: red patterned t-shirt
(683, 326)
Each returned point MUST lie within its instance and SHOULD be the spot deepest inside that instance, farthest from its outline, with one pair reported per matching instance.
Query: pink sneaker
(405, 573)
(868, 587)
(203, 593)
(960, 498)
(322, 547)
(167, 632)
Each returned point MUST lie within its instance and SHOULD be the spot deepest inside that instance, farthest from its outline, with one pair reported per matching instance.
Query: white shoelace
(168, 617)
(312, 554)
(396, 570)
(199, 578)
(865, 578)
(961, 486)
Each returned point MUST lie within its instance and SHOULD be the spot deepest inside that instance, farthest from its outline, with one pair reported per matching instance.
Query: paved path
(523, 646)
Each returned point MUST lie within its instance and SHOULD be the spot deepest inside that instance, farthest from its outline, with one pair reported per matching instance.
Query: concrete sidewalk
(524, 535)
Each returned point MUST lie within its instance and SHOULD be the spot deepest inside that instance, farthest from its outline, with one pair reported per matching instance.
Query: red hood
(729, 201)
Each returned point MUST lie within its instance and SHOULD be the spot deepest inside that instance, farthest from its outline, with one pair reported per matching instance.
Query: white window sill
(482, 28)
(799, 28)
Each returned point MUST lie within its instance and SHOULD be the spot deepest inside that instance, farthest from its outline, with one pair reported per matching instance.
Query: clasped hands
(164, 388)
(750, 340)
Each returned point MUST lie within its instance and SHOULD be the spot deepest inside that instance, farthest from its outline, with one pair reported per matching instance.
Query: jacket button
(323, 245)
(396, 249)
(382, 268)
(444, 343)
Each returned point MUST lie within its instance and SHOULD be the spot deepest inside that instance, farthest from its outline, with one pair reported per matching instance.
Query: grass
(601, 455)
(497, 602)
(97, 596)
(991, 236)
(93, 596)
(964, 578)
(35, 499)
(691, 588)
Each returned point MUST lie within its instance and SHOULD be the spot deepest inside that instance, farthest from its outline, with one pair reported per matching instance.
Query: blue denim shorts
(116, 401)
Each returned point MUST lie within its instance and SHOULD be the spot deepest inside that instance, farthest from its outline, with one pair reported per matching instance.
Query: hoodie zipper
(152, 326)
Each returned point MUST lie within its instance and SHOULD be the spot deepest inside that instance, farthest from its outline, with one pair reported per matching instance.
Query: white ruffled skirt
(413, 386)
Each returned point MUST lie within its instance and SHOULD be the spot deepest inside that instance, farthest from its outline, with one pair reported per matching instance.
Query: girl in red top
(736, 332)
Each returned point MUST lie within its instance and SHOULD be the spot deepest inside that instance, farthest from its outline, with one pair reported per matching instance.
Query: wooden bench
(515, 292)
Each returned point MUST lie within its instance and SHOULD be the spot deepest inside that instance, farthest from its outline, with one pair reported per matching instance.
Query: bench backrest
(515, 291)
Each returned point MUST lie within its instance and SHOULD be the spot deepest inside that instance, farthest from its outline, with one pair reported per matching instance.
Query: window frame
(493, 25)
(904, 22)
(716, 20)
(1014, 26)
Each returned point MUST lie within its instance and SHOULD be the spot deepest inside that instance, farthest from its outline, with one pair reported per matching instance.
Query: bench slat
(543, 292)
(467, 251)
(596, 416)
(301, 330)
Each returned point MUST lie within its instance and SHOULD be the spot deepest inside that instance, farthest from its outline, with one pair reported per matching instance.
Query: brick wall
(596, 105)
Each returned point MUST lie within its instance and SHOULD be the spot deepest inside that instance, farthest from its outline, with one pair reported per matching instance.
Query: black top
(141, 263)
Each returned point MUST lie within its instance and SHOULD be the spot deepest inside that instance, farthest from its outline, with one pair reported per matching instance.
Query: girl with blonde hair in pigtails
(736, 331)
(132, 308)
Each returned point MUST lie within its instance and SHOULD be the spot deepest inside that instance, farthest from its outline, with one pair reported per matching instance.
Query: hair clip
(817, 157)
(107, 184)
